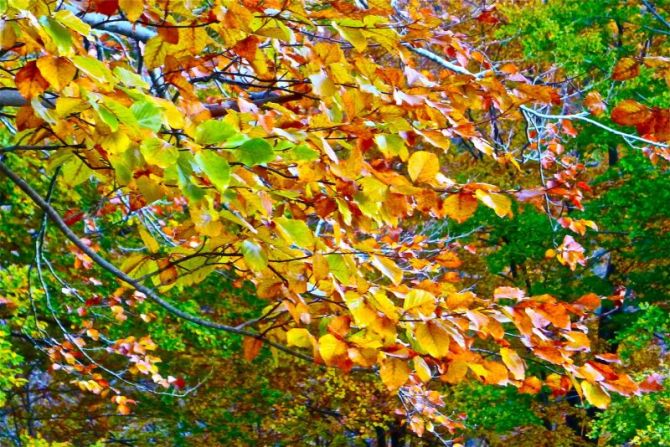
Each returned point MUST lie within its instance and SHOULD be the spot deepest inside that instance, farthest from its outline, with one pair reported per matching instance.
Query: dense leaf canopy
(334, 223)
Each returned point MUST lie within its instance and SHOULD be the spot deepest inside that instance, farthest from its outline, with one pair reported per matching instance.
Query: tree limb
(51, 213)
(583, 116)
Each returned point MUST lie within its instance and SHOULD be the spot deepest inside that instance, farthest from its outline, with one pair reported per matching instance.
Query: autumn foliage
(302, 153)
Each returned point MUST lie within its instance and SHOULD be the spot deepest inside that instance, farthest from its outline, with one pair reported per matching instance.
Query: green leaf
(216, 168)
(121, 112)
(392, 145)
(68, 19)
(213, 132)
(255, 151)
(296, 232)
(340, 268)
(303, 152)
(58, 33)
(93, 68)
(254, 256)
(158, 152)
(108, 118)
(129, 78)
(148, 115)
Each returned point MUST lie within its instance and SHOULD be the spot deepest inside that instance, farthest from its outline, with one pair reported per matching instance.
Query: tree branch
(652, 9)
(583, 116)
(51, 213)
(12, 98)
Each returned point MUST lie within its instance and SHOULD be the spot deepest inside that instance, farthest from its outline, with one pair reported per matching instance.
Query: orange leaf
(630, 113)
(30, 82)
(247, 47)
(456, 371)
(251, 347)
(531, 385)
(459, 206)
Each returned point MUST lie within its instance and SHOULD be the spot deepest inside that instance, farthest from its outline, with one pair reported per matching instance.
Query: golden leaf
(58, 71)
(432, 338)
(331, 349)
(394, 373)
(300, 337)
(132, 9)
(419, 301)
(388, 268)
(513, 362)
(422, 369)
(501, 204)
(459, 206)
(422, 166)
(595, 395)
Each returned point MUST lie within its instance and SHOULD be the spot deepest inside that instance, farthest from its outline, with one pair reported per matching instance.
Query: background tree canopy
(349, 223)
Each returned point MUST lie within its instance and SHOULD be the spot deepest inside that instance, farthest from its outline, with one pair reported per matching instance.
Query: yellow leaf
(65, 106)
(322, 85)
(422, 369)
(388, 268)
(352, 35)
(501, 204)
(155, 52)
(419, 301)
(595, 395)
(363, 314)
(319, 267)
(423, 166)
(148, 240)
(132, 9)
(455, 372)
(299, 337)
(382, 303)
(331, 349)
(394, 373)
(58, 71)
(459, 206)
(432, 338)
(513, 362)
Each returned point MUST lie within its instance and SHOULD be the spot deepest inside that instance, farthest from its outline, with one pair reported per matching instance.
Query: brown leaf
(626, 68)
(169, 34)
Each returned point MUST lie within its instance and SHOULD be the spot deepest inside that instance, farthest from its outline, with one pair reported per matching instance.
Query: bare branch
(583, 116)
